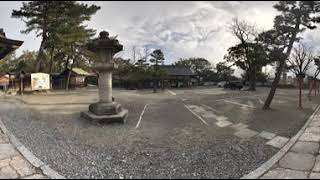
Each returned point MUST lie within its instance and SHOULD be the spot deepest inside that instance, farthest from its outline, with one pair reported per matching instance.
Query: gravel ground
(77, 149)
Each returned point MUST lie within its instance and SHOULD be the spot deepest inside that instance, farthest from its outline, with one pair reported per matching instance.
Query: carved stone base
(105, 108)
(119, 118)
(106, 113)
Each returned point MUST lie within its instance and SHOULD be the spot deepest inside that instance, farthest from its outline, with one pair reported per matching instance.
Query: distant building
(6, 47)
(179, 76)
(77, 78)
(4, 81)
(176, 76)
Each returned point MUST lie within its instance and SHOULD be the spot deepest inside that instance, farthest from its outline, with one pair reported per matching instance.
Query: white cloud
(180, 29)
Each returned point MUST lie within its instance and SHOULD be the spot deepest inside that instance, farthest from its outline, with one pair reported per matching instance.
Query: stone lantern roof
(7, 45)
(104, 42)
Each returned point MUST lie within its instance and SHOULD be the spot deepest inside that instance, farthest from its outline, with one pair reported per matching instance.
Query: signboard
(40, 81)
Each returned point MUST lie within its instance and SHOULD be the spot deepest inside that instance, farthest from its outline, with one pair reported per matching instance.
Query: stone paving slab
(311, 137)
(305, 147)
(207, 114)
(221, 118)
(23, 167)
(314, 176)
(267, 135)
(239, 126)
(300, 158)
(297, 161)
(13, 165)
(281, 173)
(315, 124)
(199, 110)
(8, 172)
(313, 130)
(278, 142)
(316, 167)
(246, 133)
(223, 123)
(35, 176)
(7, 151)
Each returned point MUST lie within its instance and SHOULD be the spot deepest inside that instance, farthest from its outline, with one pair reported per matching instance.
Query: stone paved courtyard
(185, 133)
(13, 165)
(302, 161)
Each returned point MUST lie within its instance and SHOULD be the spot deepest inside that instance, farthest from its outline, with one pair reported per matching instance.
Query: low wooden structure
(179, 76)
(77, 78)
(7, 46)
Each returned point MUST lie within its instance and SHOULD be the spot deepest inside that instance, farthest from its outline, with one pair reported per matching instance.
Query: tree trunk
(155, 83)
(300, 92)
(155, 86)
(69, 73)
(40, 55)
(274, 85)
(51, 60)
(280, 68)
(252, 80)
(68, 79)
(315, 90)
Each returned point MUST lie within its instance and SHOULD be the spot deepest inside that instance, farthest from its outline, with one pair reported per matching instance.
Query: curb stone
(29, 156)
(255, 174)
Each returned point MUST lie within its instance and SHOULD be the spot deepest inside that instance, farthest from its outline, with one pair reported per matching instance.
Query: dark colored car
(234, 85)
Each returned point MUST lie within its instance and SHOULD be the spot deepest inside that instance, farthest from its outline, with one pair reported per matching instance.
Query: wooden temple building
(7, 46)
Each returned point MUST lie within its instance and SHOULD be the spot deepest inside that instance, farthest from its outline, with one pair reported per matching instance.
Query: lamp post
(105, 110)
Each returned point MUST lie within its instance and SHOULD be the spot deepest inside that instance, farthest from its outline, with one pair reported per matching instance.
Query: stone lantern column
(105, 111)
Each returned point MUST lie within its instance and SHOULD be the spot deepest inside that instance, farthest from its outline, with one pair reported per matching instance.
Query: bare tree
(146, 53)
(243, 30)
(247, 54)
(299, 63)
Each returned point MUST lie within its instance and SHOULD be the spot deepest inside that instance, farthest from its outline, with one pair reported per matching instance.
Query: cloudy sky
(180, 29)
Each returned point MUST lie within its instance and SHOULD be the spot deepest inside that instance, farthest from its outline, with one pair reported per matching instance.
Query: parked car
(234, 85)
(221, 84)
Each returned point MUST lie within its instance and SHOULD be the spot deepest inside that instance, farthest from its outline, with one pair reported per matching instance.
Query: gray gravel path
(170, 142)
(77, 150)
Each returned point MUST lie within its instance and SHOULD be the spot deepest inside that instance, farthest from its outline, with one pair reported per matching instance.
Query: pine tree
(295, 17)
(157, 58)
(54, 21)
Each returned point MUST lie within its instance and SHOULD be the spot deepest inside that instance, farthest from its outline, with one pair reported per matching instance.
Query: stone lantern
(106, 110)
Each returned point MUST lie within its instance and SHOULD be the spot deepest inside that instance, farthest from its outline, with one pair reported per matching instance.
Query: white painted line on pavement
(172, 93)
(243, 105)
(197, 115)
(238, 97)
(141, 115)
(260, 101)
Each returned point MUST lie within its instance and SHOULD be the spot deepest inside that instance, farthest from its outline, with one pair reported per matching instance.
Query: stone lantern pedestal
(105, 111)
